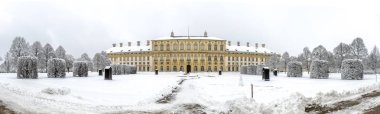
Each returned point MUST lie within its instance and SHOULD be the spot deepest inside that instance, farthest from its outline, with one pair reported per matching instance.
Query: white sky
(283, 25)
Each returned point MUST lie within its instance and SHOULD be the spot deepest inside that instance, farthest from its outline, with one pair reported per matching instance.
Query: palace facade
(200, 53)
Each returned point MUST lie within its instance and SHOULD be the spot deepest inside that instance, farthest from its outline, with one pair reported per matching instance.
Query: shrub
(56, 68)
(259, 70)
(352, 69)
(80, 69)
(243, 69)
(319, 69)
(27, 67)
(294, 69)
(251, 69)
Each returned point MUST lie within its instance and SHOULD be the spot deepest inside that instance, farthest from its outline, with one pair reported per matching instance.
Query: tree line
(355, 50)
(20, 47)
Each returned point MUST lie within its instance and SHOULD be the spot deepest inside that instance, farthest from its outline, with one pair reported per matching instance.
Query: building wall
(174, 55)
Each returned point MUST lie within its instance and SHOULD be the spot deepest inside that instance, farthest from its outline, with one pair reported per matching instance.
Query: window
(221, 58)
(215, 58)
(209, 47)
(215, 47)
(202, 47)
(221, 48)
(188, 47)
(162, 47)
(195, 47)
(175, 47)
(182, 46)
(155, 48)
(167, 47)
(209, 58)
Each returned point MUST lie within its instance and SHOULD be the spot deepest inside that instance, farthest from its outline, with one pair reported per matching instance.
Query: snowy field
(139, 93)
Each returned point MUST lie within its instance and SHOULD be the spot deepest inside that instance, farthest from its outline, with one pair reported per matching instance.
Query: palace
(200, 53)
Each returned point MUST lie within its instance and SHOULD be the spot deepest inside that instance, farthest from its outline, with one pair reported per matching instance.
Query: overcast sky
(284, 25)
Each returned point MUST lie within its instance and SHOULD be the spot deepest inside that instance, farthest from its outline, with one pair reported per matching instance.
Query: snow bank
(80, 69)
(243, 69)
(27, 67)
(56, 68)
(294, 69)
(352, 69)
(319, 69)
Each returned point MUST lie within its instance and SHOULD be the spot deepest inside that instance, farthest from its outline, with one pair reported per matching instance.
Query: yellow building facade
(197, 53)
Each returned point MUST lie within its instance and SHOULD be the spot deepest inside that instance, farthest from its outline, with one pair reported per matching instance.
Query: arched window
(174, 57)
(175, 47)
(209, 47)
(221, 48)
(155, 48)
(215, 47)
(209, 58)
(188, 57)
(182, 46)
(167, 47)
(167, 57)
(188, 47)
(215, 58)
(202, 47)
(195, 47)
(162, 47)
(221, 58)
(161, 58)
(167, 69)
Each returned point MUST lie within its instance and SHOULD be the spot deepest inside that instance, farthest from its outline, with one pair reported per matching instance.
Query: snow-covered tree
(18, 48)
(319, 69)
(305, 58)
(295, 69)
(48, 54)
(352, 69)
(359, 51)
(373, 60)
(319, 53)
(273, 61)
(100, 61)
(331, 62)
(80, 69)
(38, 51)
(7, 64)
(85, 57)
(285, 59)
(60, 52)
(27, 67)
(69, 62)
(1, 59)
(341, 52)
(56, 68)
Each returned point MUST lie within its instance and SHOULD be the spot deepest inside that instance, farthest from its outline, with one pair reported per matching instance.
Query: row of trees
(355, 50)
(20, 47)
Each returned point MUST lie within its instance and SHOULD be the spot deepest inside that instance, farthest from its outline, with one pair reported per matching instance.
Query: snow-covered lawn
(140, 92)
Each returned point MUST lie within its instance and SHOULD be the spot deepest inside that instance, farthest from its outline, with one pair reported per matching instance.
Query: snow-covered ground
(139, 92)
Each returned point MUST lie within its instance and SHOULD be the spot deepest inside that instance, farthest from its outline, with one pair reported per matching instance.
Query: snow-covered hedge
(294, 69)
(123, 69)
(243, 69)
(80, 69)
(27, 67)
(259, 70)
(352, 69)
(251, 69)
(56, 68)
(319, 69)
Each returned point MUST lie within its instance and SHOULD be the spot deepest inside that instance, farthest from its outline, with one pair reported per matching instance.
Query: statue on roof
(205, 34)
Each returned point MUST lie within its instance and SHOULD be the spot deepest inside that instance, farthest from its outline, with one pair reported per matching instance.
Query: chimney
(138, 43)
(129, 44)
(247, 44)
(263, 45)
(121, 44)
(113, 45)
(229, 43)
(147, 42)
(238, 43)
(257, 45)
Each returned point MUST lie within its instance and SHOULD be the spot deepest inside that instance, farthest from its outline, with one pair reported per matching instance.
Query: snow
(129, 49)
(253, 49)
(138, 92)
(191, 37)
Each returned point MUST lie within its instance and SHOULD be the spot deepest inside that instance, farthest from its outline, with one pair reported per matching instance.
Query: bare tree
(373, 60)
(341, 52)
(359, 51)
